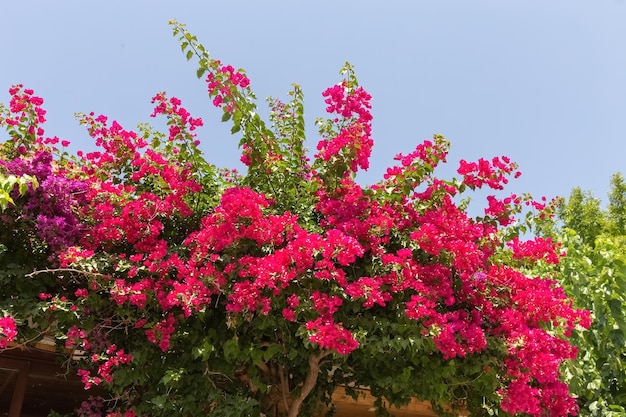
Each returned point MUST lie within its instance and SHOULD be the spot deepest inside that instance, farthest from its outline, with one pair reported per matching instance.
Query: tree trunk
(309, 383)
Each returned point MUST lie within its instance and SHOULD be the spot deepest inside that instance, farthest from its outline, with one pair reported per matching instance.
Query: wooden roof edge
(364, 405)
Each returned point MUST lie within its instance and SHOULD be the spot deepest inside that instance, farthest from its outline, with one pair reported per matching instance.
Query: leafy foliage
(8, 184)
(594, 274)
(192, 290)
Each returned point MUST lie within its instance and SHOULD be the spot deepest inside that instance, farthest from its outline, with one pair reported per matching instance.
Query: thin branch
(284, 386)
(61, 270)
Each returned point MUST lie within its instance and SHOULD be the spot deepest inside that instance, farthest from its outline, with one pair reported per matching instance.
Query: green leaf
(159, 400)
(5, 200)
(620, 281)
(231, 349)
(172, 375)
(270, 352)
(616, 307)
(23, 187)
(257, 356)
(617, 337)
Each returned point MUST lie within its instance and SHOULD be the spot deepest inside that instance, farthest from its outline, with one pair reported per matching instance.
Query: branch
(309, 382)
(59, 270)
(284, 385)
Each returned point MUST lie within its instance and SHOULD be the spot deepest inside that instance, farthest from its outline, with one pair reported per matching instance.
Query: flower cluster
(354, 140)
(503, 209)
(106, 364)
(77, 339)
(223, 84)
(535, 249)
(491, 173)
(182, 120)
(240, 218)
(8, 331)
(92, 407)
(52, 205)
(162, 332)
(26, 111)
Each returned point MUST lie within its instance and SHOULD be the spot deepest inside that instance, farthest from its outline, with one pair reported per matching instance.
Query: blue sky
(541, 81)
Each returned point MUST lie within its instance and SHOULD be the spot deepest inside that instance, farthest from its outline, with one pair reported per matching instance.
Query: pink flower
(8, 331)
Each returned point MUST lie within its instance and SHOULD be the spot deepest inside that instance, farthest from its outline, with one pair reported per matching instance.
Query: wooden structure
(346, 406)
(33, 382)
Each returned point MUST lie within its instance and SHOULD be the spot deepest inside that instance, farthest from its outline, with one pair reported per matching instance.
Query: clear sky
(541, 81)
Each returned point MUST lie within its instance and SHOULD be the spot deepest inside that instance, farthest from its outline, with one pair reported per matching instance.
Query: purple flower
(53, 204)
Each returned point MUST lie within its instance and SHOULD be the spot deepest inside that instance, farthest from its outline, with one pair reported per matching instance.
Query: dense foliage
(193, 290)
(594, 274)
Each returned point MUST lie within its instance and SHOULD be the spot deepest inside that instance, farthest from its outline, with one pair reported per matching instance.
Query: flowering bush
(192, 290)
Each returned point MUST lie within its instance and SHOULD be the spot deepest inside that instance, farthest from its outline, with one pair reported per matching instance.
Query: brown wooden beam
(22, 367)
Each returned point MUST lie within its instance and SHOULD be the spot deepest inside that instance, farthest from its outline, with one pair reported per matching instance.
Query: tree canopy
(182, 288)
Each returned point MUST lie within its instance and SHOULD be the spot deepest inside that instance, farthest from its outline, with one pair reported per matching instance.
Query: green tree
(582, 213)
(616, 212)
(594, 274)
